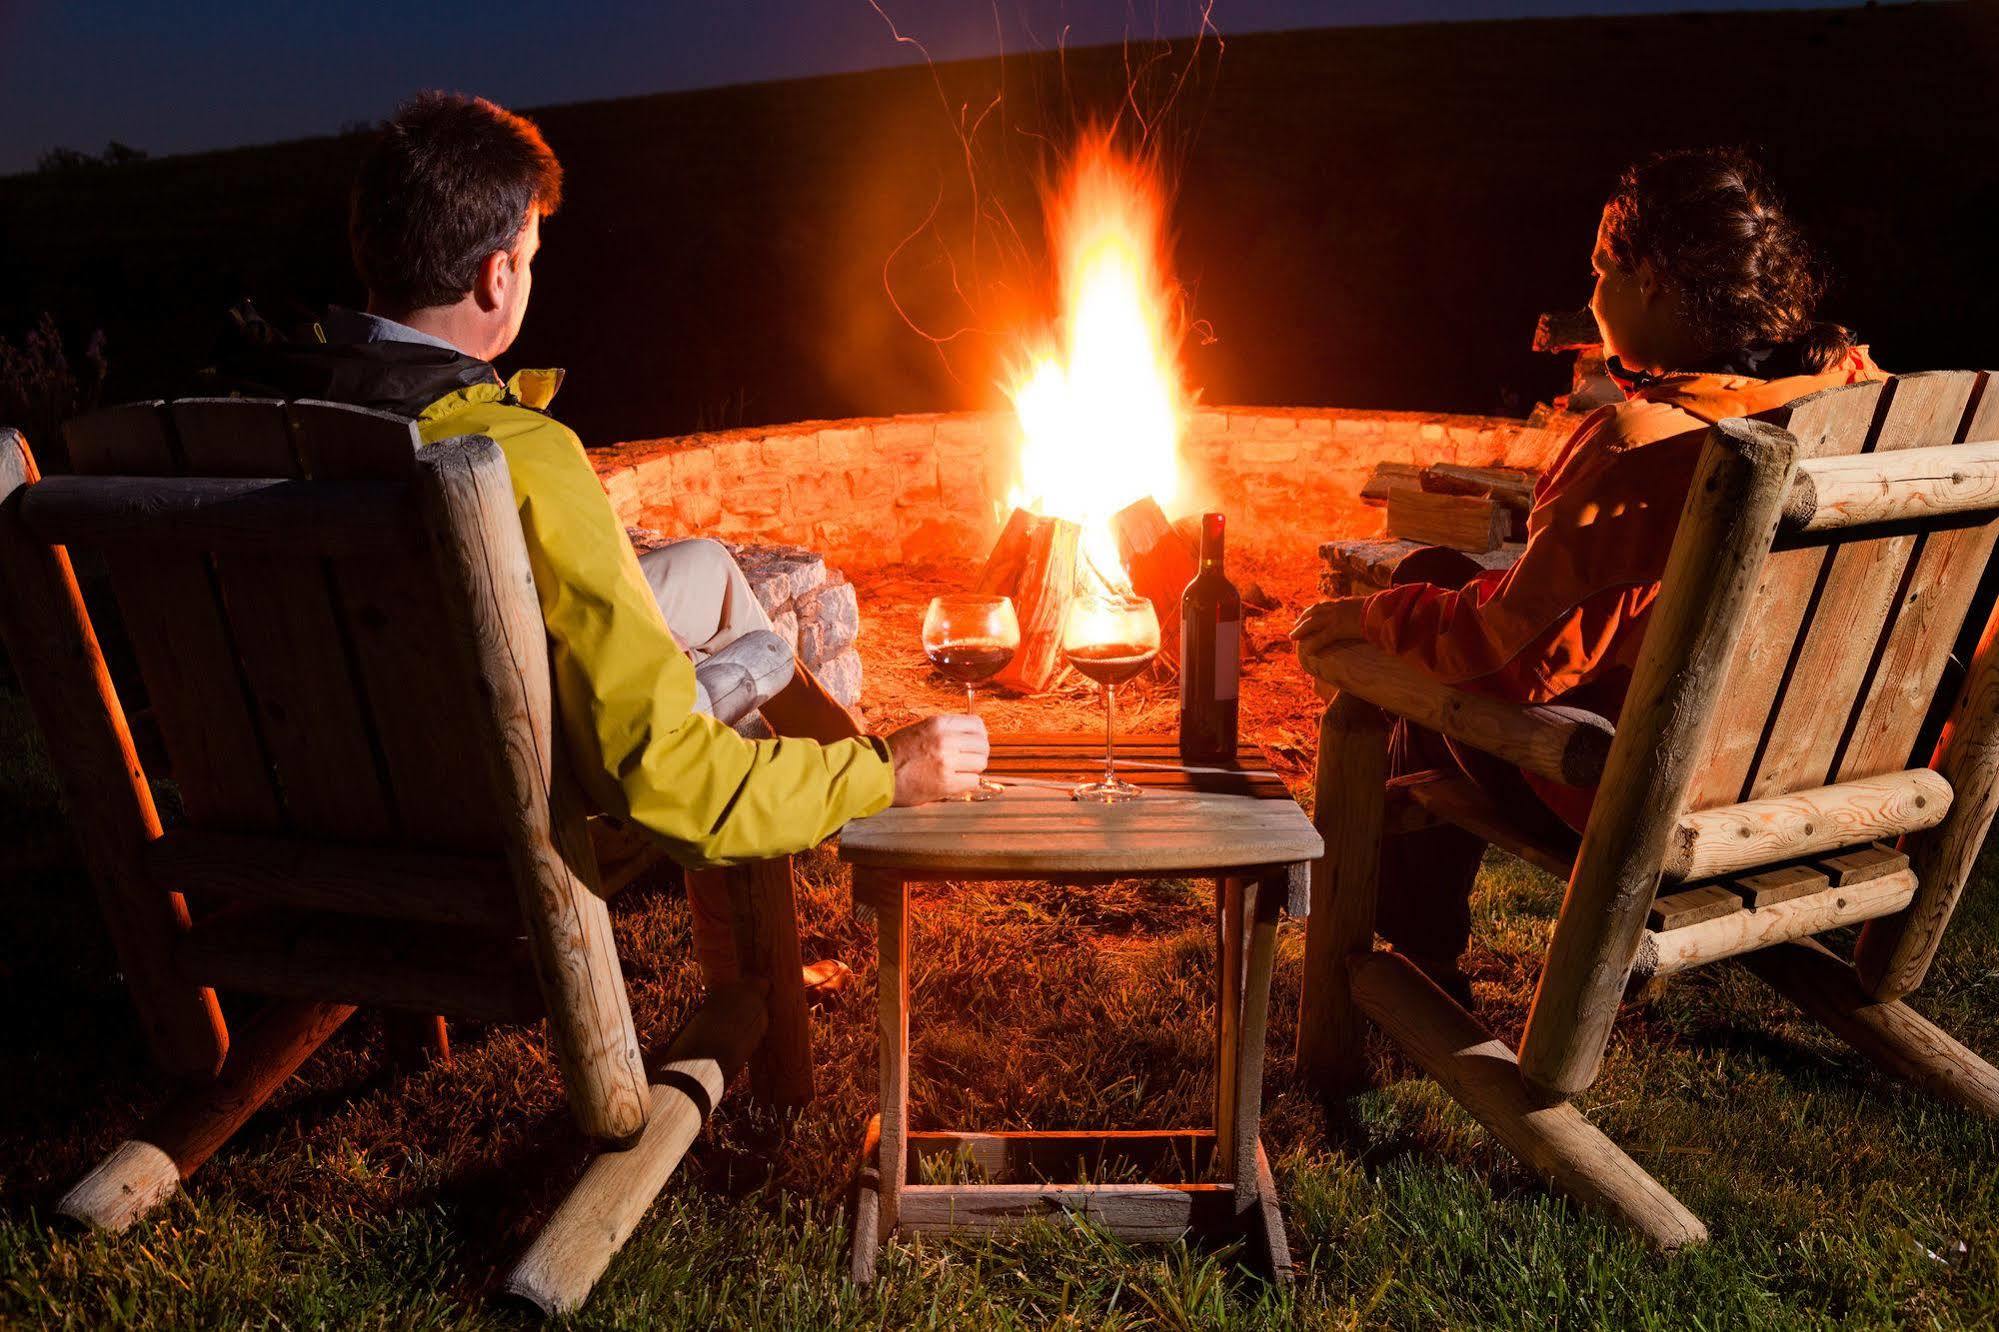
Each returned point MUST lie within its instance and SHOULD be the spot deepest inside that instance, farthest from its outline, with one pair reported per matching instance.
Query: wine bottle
(1210, 655)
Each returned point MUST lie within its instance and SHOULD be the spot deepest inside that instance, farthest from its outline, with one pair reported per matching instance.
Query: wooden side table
(1237, 825)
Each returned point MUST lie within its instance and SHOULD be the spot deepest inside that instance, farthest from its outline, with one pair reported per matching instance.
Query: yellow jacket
(624, 690)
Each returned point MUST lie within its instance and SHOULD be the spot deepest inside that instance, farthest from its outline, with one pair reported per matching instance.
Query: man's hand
(938, 757)
(1329, 622)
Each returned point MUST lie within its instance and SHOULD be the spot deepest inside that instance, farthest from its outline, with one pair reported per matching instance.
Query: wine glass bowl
(971, 638)
(1109, 638)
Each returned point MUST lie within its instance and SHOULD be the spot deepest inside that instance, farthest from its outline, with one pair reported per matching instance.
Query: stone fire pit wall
(933, 487)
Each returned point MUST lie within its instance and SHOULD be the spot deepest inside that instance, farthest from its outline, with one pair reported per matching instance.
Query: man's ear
(495, 276)
(1650, 288)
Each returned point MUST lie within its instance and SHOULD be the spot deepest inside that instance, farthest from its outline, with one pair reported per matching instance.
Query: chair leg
(1348, 807)
(145, 1170)
(416, 1040)
(1894, 1036)
(1482, 1075)
(764, 898)
(599, 1214)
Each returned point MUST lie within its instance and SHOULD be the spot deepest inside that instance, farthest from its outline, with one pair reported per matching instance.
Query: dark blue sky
(180, 77)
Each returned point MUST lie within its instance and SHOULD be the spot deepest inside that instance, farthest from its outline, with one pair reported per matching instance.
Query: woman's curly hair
(1713, 228)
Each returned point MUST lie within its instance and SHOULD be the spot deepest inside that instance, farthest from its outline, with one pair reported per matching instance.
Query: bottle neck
(1212, 532)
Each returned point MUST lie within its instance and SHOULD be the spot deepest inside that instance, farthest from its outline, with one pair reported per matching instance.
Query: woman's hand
(1329, 622)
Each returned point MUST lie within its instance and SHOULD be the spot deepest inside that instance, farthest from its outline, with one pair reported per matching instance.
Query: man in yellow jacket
(445, 226)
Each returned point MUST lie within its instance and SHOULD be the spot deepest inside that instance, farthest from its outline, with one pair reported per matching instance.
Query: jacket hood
(329, 358)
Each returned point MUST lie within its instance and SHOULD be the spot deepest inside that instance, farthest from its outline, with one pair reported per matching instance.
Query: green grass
(363, 1197)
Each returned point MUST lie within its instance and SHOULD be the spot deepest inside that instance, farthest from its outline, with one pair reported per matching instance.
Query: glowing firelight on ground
(1100, 403)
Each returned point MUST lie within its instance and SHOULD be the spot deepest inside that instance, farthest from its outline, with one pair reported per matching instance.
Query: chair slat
(1944, 579)
(293, 651)
(1860, 591)
(422, 709)
(1824, 424)
(181, 639)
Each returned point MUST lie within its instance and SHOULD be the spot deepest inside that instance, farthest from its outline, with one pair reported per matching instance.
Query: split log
(1389, 477)
(1462, 522)
(1034, 562)
(1369, 565)
(1160, 563)
(1509, 487)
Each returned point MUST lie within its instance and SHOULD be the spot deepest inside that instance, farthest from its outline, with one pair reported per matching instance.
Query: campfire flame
(1099, 400)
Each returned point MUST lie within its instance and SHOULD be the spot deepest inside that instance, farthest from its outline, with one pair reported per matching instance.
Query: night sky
(181, 77)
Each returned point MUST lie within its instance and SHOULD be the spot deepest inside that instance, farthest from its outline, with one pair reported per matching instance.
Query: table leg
(1259, 922)
(1228, 1018)
(890, 898)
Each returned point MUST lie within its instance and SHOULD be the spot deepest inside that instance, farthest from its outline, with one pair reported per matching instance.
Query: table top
(1190, 819)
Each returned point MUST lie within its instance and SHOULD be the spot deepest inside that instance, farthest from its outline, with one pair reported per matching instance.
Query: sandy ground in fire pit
(1279, 710)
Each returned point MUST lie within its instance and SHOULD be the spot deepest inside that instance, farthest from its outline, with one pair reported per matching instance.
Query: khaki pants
(707, 604)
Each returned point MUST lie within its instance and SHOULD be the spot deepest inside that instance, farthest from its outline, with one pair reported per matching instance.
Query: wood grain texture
(1347, 806)
(493, 622)
(891, 900)
(1719, 841)
(763, 895)
(288, 636)
(1860, 865)
(1262, 900)
(605, 1206)
(1837, 421)
(236, 515)
(1231, 933)
(1893, 956)
(1563, 744)
(1901, 1041)
(1767, 888)
(1473, 523)
(383, 882)
(175, 620)
(1711, 580)
(1035, 561)
(408, 965)
(1152, 1212)
(1661, 953)
(1674, 911)
(53, 649)
(147, 1169)
(1480, 1073)
(1911, 485)
(866, 1245)
(1944, 574)
(1191, 819)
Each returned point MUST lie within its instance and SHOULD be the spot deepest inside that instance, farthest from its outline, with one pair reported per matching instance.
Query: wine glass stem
(971, 700)
(1110, 726)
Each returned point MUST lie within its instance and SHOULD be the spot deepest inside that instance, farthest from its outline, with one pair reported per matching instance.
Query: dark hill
(1366, 216)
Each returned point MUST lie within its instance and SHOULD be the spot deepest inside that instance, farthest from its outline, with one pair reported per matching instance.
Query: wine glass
(971, 639)
(1109, 638)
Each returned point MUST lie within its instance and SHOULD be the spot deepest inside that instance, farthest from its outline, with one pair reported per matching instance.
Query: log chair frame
(192, 503)
(1763, 527)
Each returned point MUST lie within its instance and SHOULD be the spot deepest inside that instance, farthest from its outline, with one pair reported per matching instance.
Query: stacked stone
(811, 606)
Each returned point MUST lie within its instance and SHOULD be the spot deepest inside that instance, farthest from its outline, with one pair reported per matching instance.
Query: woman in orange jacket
(1706, 296)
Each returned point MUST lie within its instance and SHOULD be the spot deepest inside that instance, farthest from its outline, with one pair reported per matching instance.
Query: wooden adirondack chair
(1791, 691)
(339, 638)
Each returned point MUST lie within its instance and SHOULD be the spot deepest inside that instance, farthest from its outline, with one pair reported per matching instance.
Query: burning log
(1462, 522)
(1034, 562)
(1160, 562)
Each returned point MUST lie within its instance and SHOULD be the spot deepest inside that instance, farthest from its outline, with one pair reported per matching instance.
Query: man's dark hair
(450, 180)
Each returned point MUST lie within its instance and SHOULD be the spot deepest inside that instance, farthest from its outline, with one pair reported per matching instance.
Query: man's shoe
(825, 978)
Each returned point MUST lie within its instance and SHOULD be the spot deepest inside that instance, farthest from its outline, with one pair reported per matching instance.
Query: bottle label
(1228, 658)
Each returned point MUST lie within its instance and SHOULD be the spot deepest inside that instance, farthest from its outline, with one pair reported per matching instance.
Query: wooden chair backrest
(300, 693)
(1850, 630)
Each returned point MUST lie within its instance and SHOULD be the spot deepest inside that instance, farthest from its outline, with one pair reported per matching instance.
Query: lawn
(368, 1196)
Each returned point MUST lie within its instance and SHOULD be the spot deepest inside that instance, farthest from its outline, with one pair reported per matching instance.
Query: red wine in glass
(971, 639)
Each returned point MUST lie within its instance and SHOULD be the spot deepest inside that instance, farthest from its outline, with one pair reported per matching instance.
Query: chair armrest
(1566, 745)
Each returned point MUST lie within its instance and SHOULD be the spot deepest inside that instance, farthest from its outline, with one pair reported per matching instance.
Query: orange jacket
(1565, 623)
